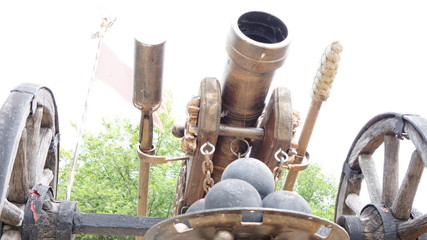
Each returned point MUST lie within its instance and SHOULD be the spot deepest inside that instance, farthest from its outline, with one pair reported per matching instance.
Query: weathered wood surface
(412, 228)
(391, 167)
(28, 147)
(367, 141)
(11, 235)
(402, 204)
(208, 128)
(372, 180)
(386, 128)
(303, 142)
(277, 123)
(354, 202)
(11, 214)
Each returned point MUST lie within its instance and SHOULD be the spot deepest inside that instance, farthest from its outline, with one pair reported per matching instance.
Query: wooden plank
(402, 204)
(372, 180)
(391, 169)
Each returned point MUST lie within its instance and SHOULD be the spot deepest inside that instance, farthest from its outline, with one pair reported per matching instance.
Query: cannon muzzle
(257, 45)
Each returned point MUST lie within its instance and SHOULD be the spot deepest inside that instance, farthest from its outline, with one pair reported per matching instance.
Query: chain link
(207, 165)
(282, 159)
(180, 190)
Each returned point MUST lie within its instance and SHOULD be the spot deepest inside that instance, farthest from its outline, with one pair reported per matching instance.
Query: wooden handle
(321, 86)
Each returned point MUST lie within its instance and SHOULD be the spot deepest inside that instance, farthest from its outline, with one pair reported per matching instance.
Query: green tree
(317, 188)
(106, 178)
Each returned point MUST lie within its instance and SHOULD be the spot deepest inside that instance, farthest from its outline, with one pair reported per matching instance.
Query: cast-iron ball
(198, 205)
(286, 200)
(253, 171)
(234, 193)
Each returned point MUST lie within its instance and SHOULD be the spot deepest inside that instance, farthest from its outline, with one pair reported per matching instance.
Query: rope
(326, 73)
(105, 25)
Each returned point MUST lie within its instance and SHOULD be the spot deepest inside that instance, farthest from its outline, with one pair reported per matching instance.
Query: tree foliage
(106, 179)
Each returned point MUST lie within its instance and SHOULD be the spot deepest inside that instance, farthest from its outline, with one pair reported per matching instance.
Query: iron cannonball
(198, 205)
(286, 200)
(253, 171)
(231, 193)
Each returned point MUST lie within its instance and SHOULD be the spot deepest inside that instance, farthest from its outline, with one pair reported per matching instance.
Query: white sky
(382, 69)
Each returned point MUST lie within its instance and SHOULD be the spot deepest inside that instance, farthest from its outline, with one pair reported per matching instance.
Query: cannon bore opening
(262, 27)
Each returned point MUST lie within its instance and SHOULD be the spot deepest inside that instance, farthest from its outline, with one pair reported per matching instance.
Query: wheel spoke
(354, 202)
(18, 186)
(402, 204)
(11, 214)
(33, 130)
(39, 139)
(412, 228)
(391, 169)
(47, 177)
(11, 235)
(367, 165)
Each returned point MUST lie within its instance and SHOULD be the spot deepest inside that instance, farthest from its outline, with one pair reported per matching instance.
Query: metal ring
(278, 159)
(203, 148)
(238, 154)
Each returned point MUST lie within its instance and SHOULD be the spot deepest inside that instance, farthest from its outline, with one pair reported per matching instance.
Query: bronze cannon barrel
(257, 45)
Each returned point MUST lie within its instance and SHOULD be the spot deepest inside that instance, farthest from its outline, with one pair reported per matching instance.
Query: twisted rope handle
(327, 70)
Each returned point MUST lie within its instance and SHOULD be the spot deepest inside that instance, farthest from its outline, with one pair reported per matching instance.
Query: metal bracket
(64, 225)
(350, 173)
(400, 126)
(33, 211)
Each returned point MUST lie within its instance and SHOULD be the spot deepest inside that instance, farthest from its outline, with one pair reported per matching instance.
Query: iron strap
(351, 174)
(390, 229)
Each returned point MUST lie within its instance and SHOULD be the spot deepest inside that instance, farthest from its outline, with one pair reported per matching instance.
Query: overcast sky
(382, 69)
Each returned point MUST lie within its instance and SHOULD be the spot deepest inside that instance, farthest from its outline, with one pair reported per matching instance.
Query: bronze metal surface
(276, 224)
(256, 45)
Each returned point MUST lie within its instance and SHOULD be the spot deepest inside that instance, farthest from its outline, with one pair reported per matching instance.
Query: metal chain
(207, 166)
(180, 190)
(282, 159)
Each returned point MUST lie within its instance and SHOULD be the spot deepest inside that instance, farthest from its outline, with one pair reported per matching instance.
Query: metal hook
(281, 160)
(239, 154)
(204, 146)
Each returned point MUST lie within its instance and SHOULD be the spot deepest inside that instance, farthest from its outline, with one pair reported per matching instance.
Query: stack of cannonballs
(248, 182)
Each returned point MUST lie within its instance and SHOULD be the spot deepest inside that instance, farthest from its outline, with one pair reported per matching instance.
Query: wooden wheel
(390, 214)
(29, 151)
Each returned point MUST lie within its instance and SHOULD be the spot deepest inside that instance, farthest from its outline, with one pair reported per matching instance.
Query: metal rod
(147, 94)
(227, 130)
(230, 131)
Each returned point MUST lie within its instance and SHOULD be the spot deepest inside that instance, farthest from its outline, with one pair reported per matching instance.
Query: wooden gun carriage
(225, 122)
